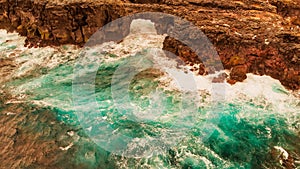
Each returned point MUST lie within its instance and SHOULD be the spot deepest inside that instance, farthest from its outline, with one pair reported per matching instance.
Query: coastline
(257, 124)
(260, 37)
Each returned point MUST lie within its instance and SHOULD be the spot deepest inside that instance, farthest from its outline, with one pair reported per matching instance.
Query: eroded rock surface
(264, 34)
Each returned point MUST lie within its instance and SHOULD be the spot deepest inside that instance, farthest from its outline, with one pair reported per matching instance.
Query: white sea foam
(254, 86)
(10, 113)
(283, 154)
(261, 88)
(67, 147)
(31, 59)
(175, 78)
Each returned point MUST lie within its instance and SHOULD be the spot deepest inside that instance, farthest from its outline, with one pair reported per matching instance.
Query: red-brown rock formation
(263, 34)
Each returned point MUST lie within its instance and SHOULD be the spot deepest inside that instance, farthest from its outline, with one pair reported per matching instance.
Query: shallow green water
(237, 134)
(155, 127)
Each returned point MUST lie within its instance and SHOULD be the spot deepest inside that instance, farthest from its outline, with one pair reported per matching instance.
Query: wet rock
(44, 33)
(283, 157)
(246, 32)
(231, 81)
(61, 36)
(238, 73)
(220, 79)
(77, 36)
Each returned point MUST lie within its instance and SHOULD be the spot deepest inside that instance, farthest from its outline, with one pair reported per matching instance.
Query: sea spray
(258, 115)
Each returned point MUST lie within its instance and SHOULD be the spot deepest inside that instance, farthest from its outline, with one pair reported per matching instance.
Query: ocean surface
(127, 105)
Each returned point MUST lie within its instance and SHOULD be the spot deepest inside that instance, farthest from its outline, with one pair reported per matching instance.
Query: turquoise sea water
(162, 128)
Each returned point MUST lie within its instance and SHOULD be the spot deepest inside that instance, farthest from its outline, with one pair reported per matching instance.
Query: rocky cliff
(257, 36)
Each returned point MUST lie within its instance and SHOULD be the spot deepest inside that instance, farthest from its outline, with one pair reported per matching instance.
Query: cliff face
(257, 36)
